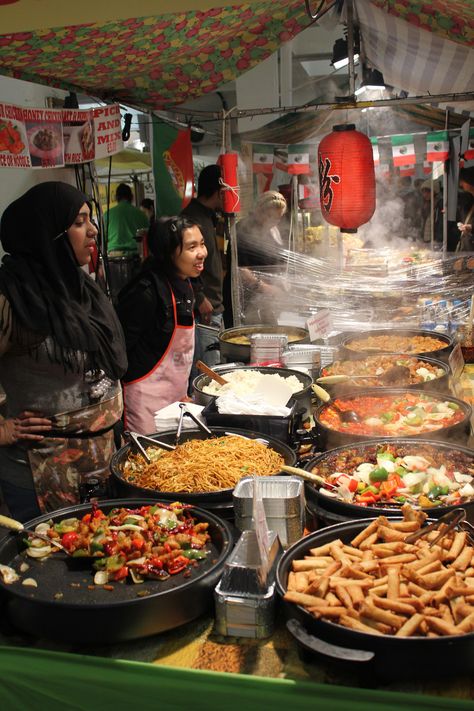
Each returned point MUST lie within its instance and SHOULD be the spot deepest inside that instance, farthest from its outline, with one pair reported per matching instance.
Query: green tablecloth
(36, 680)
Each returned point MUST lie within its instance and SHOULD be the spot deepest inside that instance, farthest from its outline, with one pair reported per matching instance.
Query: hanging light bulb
(340, 53)
(372, 79)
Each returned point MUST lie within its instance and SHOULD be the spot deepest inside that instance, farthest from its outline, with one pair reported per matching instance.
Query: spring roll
(410, 626)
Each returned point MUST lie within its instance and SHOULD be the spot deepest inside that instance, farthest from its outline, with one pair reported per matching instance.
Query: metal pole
(445, 198)
(350, 46)
(234, 271)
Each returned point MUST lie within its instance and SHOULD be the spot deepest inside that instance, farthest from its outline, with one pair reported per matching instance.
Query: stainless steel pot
(239, 351)
(303, 396)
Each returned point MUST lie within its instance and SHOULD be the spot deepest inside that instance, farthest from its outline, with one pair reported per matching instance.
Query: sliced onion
(30, 582)
(42, 527)
(136, 577)
(101, 577)
(126, 527)
(136, 561)
(8, 574)
(24, 567)
(36, 552)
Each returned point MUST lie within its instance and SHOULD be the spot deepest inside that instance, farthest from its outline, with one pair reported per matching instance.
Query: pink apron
(166, 382)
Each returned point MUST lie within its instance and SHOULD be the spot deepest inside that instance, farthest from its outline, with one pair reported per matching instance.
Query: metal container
(306, 358)
(241, 351)
(245, 596)
(267, 347)
(283, 501)
(303, 396)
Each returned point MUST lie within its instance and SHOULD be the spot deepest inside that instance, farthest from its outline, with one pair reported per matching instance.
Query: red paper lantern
(346, 178)
(229, 182)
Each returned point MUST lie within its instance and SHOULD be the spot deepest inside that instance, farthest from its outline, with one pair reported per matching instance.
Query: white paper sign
(319, 325)
(456, 361)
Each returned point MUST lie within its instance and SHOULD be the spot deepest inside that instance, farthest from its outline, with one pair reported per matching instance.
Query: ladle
(391, 375)
(344, 415)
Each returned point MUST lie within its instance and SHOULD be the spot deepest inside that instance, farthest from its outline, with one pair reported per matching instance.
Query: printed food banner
(52, 138)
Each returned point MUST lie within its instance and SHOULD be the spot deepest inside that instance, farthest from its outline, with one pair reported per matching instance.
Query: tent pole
(350, 46)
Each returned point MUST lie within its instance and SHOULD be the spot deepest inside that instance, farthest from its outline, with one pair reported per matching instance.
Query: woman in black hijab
(61, 353)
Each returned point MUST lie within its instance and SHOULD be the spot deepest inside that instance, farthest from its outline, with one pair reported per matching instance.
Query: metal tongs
(451, 519)
(135, 438)
(187, 413)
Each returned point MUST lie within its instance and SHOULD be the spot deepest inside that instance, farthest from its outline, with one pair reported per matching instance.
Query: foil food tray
(283, 501)
(245, 595)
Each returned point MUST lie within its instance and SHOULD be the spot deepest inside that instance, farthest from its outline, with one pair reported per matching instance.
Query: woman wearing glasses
(61, 354)
(156, 312)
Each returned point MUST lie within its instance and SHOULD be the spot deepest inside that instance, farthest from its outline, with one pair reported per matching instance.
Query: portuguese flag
(172, 168)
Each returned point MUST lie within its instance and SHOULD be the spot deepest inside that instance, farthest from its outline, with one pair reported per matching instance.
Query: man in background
(202, 210)
(121, 225)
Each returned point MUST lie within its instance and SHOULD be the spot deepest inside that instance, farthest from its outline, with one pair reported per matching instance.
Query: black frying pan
(206, 500)
(63, 608)
(386, 656)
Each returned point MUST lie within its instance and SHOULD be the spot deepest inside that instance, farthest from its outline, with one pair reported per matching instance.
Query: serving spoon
(344, 415)
(391, 375)
(211, 373)
(309, 476)
(18, 527)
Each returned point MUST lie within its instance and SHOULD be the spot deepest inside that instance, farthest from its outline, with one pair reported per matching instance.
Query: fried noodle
(203, 465)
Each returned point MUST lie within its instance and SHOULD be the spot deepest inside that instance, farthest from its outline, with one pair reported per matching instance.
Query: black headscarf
(48, 293)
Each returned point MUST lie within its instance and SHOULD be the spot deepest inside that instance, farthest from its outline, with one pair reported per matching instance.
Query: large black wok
(100, 616)
(440, 384)
(331, 438)
(241, 352)
(384, 655)
(345, 352)
(348, 511)
(220, 502)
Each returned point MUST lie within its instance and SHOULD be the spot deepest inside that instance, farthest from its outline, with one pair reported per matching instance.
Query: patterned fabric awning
(409, 55)
(154, 62)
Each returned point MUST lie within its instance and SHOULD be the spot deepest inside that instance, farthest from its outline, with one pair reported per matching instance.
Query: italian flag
(403, 150)
(262, 159)
(437, 146)
(298, 159)
(469, 154)
(375, 151)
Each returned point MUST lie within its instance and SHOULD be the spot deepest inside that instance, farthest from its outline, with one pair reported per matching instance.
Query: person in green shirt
(121, 225)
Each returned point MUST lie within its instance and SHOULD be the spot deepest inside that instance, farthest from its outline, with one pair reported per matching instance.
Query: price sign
(319, 325)
(456, 361)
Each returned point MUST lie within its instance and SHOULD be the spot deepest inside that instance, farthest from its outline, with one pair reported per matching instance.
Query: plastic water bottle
(428, 317)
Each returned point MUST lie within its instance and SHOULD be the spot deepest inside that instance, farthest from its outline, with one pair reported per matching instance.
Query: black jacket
(145, 310)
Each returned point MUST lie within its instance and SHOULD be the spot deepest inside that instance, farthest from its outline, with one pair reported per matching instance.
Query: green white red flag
(437, 146)
(298, 159)
(403, 150)
(262, 158)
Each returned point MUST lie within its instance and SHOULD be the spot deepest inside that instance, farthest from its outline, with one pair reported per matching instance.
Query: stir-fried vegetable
(156, 541)
(391, 473)
(393, 415)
